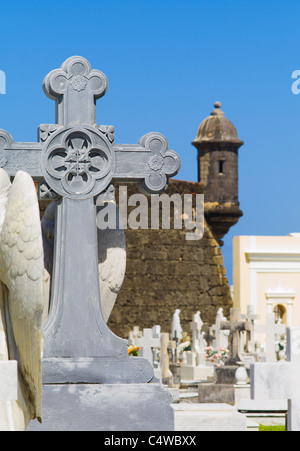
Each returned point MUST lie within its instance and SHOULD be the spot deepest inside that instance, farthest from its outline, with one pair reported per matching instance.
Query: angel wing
(22, 272)
(112, 267)
(111, 256)
(4, 190)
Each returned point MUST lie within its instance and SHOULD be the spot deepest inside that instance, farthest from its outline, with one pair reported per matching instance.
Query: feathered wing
(22, 271)
(4, 191)
(112, 267)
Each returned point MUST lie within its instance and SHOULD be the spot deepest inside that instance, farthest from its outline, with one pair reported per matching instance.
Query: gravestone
(165, 345)
(176, 336)
(235, 326)
(133, 335)
(271, 330)
(156, 331)
(280, 380)
(224, 389)
(147, 343)
(251, 317)
(210, 336)
(195, 369)
(75, 160)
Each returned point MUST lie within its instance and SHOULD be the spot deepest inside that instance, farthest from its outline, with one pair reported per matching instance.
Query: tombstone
(176, 336)
(166, 374)
(210, 336)
(194, 369)
(250, 334)
(131, 339)
(280, 380)
(147, 344)
(133, 335)
(235, 326)
(85, 365)
(156, 331)
(270, 329)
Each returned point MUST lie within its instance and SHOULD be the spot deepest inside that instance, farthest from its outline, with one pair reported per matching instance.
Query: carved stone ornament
(78, 162)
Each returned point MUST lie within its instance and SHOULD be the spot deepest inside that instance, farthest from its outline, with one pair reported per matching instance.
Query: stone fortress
(164, 270)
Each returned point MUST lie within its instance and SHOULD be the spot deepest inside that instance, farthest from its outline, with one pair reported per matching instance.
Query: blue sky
(167, 62)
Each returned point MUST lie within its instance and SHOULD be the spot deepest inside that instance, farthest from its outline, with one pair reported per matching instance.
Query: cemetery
(61, 366)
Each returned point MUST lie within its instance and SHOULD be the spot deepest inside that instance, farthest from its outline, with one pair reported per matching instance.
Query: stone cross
(209, 336)
(133, 334)
(250, 334)
(147, 343)
(156, 332)
(270, 329)
(164, 356)
(172, 347)
(280, 380)
(75, 160)
(235, 325)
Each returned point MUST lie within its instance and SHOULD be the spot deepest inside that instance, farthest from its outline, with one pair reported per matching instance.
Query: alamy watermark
(2, 82)
(158, 211)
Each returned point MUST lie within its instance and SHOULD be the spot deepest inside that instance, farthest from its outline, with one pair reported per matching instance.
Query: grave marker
(270, 329)
(280, 380)
(75, 160)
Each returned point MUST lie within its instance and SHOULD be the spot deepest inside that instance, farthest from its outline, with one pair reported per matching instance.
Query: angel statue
(176, 327)
(26, 264)
(22, 298)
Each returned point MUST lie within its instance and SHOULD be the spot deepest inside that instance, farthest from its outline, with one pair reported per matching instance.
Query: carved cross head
(75, 88)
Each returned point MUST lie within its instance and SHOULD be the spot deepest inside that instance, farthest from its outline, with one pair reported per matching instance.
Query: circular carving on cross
(78, 162)
(163, 163)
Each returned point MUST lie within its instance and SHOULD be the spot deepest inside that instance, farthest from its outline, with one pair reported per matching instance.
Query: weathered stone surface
(216, 393)
(93, 407)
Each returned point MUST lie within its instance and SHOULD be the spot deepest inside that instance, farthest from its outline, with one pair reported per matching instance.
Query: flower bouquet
(133, 351)
(217, 356)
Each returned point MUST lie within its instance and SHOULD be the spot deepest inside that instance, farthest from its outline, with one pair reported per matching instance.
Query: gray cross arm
(238, 326)
(149, 161)
(19, 156)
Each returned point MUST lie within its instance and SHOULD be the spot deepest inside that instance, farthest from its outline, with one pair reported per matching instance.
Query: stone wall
(166, 272)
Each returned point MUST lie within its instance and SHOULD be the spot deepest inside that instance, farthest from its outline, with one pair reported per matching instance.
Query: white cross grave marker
(147, 342)
(271, 329)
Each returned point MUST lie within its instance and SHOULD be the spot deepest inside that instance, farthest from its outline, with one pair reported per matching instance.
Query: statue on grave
(176, 327)
(111, 248)
(22, 299)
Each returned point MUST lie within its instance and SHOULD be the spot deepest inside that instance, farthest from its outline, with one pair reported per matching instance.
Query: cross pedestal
(280, 380)
(75, 160)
